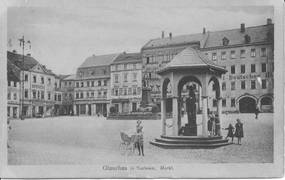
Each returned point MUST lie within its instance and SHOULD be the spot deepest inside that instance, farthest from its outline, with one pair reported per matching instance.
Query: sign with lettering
(36, 86)
(248, 76)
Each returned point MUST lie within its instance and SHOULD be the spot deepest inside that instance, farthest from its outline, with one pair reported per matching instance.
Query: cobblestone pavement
(95, 140)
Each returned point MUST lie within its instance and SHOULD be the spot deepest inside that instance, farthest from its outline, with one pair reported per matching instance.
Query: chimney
(162, 34)
(170, 35)
(269, 21)
(204, 30)
(29, 54)
(242, 27)
(14, 51)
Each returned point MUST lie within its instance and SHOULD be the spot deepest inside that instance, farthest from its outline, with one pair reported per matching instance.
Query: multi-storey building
(126, 82)
(13, 91)
(37, 86)
(92, 86)
(246, 52)
(67, 86)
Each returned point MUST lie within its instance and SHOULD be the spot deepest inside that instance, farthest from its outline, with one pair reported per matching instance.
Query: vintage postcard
(142, 89)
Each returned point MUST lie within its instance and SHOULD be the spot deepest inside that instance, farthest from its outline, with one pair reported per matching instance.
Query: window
(55, 84)
(99, 93)
(224, 87)
(99, 83)
(224, 102)
(116, 78)
(252, 53)
(77, 95)
(49, 81)
(233, 69)
(233, 102)
(252, 68)
(26, 93)
(15, 84)
(214, 102)
(125, 66)
(134, 91)
(252, 84)
(116, 92)
(147, 60)
(134, 76)
(242, 69)
(69, 83)
(81, 95)
(263, 52)
(263, 84)
(55, 97)
(59, 97)
(42, 95)
(92, 94)
(233, 54)
(42, 80)
(233, 85)
(82, 84)
(126, 77)
(34, 79)
(214, 56)
(242, 53)
(224, 55)
(242, 84)
(9, 83)
(130, 91)
(92, 83)
(149, 75)
(87, 94)
(39, 95)
(34, 94)
(9, 96)
(105, 93)
(65, 83)
(26, 77)
(134, 66)
(77, 84)
(105, 82)
(263, 67)
(88, 83)
(104, 71)
(15, 96)
(125, 91)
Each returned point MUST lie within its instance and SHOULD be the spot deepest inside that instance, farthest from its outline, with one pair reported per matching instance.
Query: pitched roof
(257, 34)
(214, 39)
(128, 58)
(13, 72)
(101, 60)
(176, 40)
(70, 77)
(191, 58)
(28, 63)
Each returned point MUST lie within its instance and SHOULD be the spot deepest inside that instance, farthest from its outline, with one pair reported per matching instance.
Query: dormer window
(247, 39)
(225, 41)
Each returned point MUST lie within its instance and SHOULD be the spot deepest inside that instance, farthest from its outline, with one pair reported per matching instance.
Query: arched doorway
(247, 105)
(266, 104)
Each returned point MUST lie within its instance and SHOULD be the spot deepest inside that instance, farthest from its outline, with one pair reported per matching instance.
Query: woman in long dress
(239, 131)
(139, 128)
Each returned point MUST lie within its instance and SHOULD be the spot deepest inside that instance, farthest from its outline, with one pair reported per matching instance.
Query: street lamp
(22, 44)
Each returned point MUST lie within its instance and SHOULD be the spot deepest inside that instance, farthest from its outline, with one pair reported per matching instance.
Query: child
(230, 129)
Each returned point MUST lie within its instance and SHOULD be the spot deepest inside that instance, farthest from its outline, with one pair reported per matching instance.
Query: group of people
(213, 125)
(236, 131)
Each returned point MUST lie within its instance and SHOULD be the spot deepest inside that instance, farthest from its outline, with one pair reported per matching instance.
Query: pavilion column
(163, 115)
(205, 116)
(219, 112)
(175, 116)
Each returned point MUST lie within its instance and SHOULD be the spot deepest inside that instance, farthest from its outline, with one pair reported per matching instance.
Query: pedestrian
(139, 142)
(213, 131)
(9, 129)
(239, 131)
(256, 112)
(210, 126)
(217, 124)
(230, 134)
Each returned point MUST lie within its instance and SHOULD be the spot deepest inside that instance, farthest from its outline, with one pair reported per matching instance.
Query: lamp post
(22, 44)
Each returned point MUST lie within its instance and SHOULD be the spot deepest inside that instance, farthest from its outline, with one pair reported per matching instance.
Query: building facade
(38, 87)
(92, 86)
(126, 82)
(67, 86)
(246, 52)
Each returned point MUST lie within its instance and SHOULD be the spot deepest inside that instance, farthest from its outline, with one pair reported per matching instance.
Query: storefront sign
(36, 86)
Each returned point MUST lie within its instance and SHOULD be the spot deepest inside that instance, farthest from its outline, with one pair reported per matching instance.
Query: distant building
(246, 52)
(126, 82)
(67, 86)
(92, 86)
(37, 96)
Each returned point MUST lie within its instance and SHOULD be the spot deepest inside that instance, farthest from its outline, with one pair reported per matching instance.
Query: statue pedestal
(190, 129)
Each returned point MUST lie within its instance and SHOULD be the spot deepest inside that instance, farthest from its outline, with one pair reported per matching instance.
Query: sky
(64, 33)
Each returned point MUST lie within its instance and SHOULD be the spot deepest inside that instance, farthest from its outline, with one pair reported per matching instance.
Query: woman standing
(140, 137)
(239, 131)
(230, 129)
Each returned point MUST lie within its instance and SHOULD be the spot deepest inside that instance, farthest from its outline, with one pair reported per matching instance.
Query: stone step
(191, 137)
(191, 141)
(185, 146)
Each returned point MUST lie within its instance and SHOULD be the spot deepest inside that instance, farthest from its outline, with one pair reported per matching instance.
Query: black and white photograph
(142, 89)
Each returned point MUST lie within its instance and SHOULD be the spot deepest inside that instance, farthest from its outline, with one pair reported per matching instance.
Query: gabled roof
(128, 58)
(191, 58)
(28, 63)
(101, 60)
(257, 34)
(13, 72)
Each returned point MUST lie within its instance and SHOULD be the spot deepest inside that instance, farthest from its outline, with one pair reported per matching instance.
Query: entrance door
(89, 109)
(41, 110)
(247, 105)
(134, 107)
